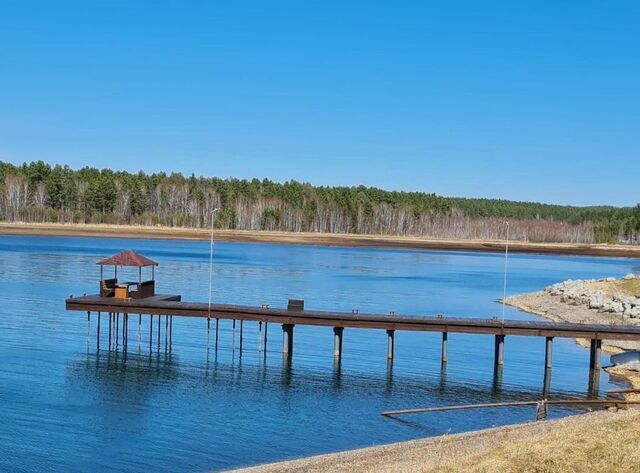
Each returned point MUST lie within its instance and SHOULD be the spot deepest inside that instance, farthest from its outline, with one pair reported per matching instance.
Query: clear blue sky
(520, 100)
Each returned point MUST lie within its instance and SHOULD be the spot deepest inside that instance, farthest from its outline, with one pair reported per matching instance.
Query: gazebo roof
(127, 258)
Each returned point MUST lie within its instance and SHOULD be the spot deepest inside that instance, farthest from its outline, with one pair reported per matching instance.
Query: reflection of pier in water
(127, 374)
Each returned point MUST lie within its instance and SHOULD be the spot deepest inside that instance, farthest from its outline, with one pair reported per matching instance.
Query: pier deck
(171, 305)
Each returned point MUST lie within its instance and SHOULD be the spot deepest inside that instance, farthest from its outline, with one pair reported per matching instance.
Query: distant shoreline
(307, 238)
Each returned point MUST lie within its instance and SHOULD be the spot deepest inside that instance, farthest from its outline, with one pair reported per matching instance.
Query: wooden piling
(241, 321)
(499, 350)
(390, 343)
(264, 344)
(170, 331)
(287, 339)
(217, 322)
(117, 316)
(159, 327)
(445, 337)
(337, 341)
(98, 333)
(548, 353)
(150, 331)
(110, 328)
(166, 331)
(594, 359)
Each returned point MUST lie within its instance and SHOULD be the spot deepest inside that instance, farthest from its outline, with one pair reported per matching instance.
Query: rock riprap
(590, 294)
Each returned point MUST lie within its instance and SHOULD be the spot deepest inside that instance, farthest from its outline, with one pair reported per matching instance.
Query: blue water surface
(67, 406)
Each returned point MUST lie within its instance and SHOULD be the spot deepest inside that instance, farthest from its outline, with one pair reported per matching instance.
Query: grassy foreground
(603, 441)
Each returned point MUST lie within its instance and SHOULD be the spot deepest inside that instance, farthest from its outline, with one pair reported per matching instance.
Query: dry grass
(609, 447)
(602, 441)
(630, 287)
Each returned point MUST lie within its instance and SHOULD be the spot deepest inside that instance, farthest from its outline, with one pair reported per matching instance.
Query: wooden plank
(171, 305)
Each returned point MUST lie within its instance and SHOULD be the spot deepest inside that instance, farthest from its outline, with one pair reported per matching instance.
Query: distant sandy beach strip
(323, 239)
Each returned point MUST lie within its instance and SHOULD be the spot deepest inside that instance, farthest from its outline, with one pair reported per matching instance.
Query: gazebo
(122, 289)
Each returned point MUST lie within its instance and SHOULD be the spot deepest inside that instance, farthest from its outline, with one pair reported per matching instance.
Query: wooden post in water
(117, 315)
(594, 359)
(98, 337)
(166, 331)
(217, 322)
(170, 331)
(287, 339)
(548, 353)
(499, 350)
(264, 344)
(150, 331)
(110, 328)
(159, 326)
(241, 323)
(390, 343)
(445, 338)
(337, 341)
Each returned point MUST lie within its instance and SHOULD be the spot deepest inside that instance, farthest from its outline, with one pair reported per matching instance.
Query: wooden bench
(145, 289)
(108, 287)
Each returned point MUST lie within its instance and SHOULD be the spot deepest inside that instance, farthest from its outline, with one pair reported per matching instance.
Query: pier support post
(166, 333)
(110, 328)
(98, 333)
(594, 359)
(337, 341)
(216, 337)
(445, 337)
(287, 339)
(264, 344)
(548, 353)
(150, 331)
(499, 351)
(241, 323)
(390, 343)
(170, 331)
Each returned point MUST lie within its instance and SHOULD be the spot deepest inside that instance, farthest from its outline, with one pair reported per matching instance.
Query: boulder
(629, 276)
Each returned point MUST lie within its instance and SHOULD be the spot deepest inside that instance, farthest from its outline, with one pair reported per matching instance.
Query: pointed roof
(127, 258)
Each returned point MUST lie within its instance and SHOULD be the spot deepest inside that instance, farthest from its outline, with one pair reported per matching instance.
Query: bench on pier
(108, 287)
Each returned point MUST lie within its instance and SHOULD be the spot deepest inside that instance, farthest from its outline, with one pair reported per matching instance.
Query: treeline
(38, 192)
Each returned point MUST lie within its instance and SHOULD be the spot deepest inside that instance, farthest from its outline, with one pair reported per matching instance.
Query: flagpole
(506, 261)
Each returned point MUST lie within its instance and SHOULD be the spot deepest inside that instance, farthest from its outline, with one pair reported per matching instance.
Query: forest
(39, 192)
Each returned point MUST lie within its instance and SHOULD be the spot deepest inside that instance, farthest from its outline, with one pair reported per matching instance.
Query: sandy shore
(599, 441)
(551, 307)
(326, 239)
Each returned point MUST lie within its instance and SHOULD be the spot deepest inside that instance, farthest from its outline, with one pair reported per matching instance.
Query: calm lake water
(66, 406)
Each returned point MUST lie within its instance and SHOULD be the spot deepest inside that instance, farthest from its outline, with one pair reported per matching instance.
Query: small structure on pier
(127, 289)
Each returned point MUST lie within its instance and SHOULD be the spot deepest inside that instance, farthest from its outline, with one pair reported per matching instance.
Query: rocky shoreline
(588, 294)
(603, 301)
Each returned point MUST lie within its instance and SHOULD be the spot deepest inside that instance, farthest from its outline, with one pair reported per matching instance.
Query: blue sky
(520, 100)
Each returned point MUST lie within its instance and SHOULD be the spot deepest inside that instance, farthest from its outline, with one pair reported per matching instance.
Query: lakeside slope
(304, 238)
(598, 441)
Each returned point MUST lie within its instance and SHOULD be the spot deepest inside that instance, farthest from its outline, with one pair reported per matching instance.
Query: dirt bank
(328, 239)
(599, 441)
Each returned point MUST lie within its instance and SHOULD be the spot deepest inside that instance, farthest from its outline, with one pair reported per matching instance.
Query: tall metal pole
(506, 261)
(213, 214)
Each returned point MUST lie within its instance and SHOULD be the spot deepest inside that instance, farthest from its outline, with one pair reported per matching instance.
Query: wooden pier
(295, 314)
(120, 299)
